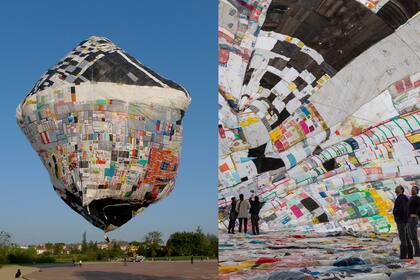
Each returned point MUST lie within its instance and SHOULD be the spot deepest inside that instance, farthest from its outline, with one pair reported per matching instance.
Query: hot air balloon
(108, 129)
(318, 110)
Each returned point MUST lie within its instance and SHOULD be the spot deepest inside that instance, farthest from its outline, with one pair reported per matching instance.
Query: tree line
(179, 244)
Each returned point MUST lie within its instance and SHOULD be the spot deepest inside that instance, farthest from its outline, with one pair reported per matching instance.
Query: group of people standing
(241, 210)
(406, 212)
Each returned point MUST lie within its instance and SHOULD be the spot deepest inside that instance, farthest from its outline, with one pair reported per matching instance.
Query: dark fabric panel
(75, 203)
(289, 97)
(398, 12)
(262, 163)
(258, 151)
(277, 63)
(248, 75)
(266, 164)
(328, 69)
(112, 211)
(281, 117)
(330, 164)
(323, 218)
(309, 204)
(114, 68)
(317, 150)
(300, 61)
(271, 97)
(353, 143)
(170, 83)
(339, 30)
(269, 80)
(285, 49)
(315, 70)
(300, 83)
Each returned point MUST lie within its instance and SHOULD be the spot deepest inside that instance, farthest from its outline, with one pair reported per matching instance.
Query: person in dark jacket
(400, 213)
(255, 212)
(413, 211)
(232, 216)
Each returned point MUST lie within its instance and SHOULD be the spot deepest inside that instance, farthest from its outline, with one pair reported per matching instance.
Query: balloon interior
(319, 110)
(319, 117)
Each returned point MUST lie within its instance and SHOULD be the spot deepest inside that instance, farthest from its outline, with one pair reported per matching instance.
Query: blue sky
(177, 39)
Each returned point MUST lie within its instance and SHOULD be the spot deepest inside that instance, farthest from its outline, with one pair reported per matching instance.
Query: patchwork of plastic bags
(319, 117)
(108, 130)
(318, 110)
(312, 255)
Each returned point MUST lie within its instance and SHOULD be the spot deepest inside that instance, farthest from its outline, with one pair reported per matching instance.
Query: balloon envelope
(108, 130)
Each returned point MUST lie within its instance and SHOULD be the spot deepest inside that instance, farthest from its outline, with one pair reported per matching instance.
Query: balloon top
(98, 59)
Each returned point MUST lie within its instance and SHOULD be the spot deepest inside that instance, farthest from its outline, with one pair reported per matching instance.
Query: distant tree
(31, 251)
(135, 243)
(200, 243)
(49, 247)
(58, 248)
(115, 250)
(4, 239)
(17, 255)
(133, 248)
(153, 241)
(142, 250)
(179, 244)
(4, 243)
(214, 245)
(84, 243)
(92, 246)
(191, 243)
(73, 248)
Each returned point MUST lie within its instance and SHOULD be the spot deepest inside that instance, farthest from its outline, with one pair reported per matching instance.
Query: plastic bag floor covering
(312, 256)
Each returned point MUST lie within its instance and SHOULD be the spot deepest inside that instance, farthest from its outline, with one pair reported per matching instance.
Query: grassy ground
(149, 270)
(64, 259)
(180, 258)
(7, 272)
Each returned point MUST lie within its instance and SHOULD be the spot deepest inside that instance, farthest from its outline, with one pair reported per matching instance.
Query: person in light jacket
(242, 208)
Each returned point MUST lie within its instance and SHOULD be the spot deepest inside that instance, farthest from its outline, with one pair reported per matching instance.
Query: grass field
(7, 272)
(149, 270)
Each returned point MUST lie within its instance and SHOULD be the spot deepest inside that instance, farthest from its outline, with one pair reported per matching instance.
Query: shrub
(3, 259)
(19, 258)
(45, 259)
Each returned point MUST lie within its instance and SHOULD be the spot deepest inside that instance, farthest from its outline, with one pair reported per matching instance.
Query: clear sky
(177, 39)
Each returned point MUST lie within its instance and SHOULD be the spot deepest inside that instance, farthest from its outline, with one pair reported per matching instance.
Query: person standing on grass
(242, 208)
(232, 216)
(255, 214)
(400, 213)
(413, 211)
